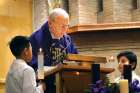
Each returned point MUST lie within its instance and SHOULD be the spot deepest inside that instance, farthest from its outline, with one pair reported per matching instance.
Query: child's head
(126, 57)
(21, 48)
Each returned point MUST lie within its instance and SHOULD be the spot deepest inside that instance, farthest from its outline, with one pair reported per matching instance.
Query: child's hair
(18, 44)
(130, 56)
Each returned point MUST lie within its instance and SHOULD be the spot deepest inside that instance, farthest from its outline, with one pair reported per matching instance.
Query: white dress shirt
(21, 78)
(134, 76)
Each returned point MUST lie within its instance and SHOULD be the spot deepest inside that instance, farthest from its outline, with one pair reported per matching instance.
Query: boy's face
(28, 54)
(122, 61)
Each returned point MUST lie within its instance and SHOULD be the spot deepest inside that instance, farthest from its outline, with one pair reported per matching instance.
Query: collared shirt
(134, 76)
(21, 78)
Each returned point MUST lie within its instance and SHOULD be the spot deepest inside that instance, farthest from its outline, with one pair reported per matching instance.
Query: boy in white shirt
(21, 77)
(125, 58)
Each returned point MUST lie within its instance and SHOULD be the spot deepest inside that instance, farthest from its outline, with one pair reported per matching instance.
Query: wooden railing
(103, 26)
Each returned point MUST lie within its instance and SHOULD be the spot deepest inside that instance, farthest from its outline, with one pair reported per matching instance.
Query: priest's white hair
(58, 12)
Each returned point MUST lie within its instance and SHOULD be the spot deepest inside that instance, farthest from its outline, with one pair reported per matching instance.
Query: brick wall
(117, 11)
(122, 10)
(87, 11)
(40, 13)
(136, 13)
(114, 11)
(74, 12)
(83, 12)
(108, 11)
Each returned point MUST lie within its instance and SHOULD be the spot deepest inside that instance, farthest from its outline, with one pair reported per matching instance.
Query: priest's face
(122, 61)
(59, 26)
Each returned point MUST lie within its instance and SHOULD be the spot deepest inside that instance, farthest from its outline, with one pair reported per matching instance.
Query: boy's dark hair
(18, 44)
(130, 56)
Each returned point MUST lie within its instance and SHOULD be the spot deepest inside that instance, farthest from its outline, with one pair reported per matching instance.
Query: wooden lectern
(74, 78)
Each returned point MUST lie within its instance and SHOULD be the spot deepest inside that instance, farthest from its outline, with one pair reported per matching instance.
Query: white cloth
(21, 78)
(134, 76)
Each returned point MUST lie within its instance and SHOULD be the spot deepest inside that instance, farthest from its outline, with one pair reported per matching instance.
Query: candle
(40, 64)
(124, 86)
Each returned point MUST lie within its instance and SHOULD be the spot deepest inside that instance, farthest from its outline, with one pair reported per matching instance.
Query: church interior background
(97, 27)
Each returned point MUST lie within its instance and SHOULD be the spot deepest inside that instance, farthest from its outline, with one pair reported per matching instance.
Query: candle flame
(77, 73)
(40, 49)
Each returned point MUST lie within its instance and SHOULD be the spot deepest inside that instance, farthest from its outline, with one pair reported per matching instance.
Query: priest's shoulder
(40, 30)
